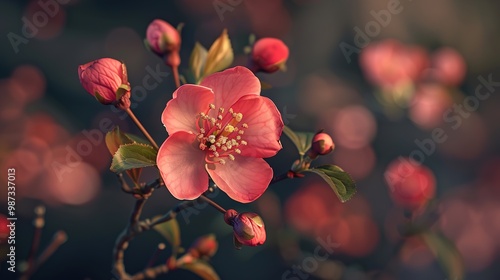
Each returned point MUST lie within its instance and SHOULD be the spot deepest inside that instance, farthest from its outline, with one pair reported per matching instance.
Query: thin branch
(175, 71)
(141, 128)
(135, 227)
(212, 203)
(280, 177)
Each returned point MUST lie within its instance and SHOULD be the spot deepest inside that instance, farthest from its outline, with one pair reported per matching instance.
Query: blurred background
(338, 78)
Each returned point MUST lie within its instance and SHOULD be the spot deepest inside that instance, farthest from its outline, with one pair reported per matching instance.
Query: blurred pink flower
(411, 184)
(429, 104)
(106, 79)
(448, 66)
(389, 63)
(310, 207)
(222, 126)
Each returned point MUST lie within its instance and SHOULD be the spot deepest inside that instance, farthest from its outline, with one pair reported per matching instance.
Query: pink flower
(269, 55)
(224, 127)
(448, 66)
(164, 40)
(248, 228)
(106, 80)
(411, 185)
(389, 63)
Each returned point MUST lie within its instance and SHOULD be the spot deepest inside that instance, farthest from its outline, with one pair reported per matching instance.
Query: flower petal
(180, 112)
(231, 84)
(245, 179)
(264, 126)
(181, 166)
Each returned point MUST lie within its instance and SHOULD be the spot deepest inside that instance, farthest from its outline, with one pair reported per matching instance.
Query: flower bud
(322, 144)
(411, 185)
(248, 228)
(164, 40)
(204, 247)
(269, 55)
(106, 79)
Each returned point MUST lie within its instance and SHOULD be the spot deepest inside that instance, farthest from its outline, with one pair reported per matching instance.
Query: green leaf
(197, 60)
(301, 140)
(339, 180)
(220, 55)
(446, 253)
(115, 138)
(137, 139)
(202, 269)
(170, 230)
(133, 155)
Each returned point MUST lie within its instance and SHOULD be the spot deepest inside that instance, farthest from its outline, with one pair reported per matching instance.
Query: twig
(141, 128)
(175, 71)
(212, 203)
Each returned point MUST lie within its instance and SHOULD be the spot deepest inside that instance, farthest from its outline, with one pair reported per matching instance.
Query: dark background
(48, 111)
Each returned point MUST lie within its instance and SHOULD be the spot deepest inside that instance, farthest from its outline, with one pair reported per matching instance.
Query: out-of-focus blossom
(415, 253)
(31, 81)
(352, 127)
(470, 217)
(164, 40)
(106, 80)
(311, 206)
(429, 103)
(390, 64)
(362, 234)
(204, 246)
(224, 127)
(268, 17)
(72, 183)
(359, 163)
(322, 91)
(410, 185)
(269, 55)
(44, 127)
(448, 66)
(46, 22)
(248, 227)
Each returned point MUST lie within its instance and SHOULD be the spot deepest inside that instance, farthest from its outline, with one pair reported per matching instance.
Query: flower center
(221, 135)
